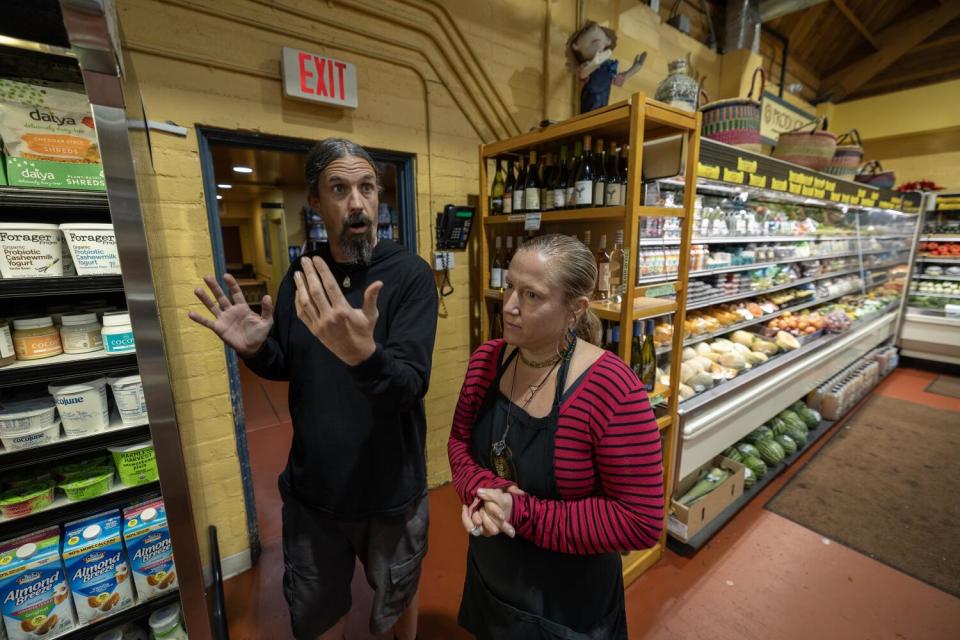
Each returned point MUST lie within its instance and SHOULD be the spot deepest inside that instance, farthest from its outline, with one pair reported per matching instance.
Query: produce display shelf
(63, 510)
(924, 258)
(936, 238)
(137, 612)
(921, 294)
(66, 285)
(695, 543)
(692, 340)
(115, 435)
(924, 276)
(66, 366)
(709, 302)
(21, 197)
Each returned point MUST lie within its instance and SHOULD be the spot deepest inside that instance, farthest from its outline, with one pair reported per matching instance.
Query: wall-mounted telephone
(453, 227)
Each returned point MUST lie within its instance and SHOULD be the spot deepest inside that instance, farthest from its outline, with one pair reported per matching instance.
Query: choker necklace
(539, 364)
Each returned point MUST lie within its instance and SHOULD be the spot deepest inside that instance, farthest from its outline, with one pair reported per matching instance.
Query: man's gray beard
(358, 250)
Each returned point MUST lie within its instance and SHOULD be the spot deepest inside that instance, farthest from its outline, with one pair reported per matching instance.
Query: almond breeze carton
(96, 564)
(151, 551)
(34, 596)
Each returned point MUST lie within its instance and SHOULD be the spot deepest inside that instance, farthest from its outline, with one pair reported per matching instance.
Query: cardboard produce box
(687, 521)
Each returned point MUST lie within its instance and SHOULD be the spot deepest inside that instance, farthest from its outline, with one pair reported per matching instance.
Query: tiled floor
(761, 577)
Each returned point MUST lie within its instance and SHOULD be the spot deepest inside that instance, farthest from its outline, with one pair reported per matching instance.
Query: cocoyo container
(30, 250)
(93, 247)
(83, 407)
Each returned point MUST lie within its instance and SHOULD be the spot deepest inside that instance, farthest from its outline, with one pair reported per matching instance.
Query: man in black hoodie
(353, 333)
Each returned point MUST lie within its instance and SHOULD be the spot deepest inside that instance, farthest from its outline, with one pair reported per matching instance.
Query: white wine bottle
(583, 183)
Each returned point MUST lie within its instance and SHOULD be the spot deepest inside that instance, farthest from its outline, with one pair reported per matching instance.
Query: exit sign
(315, 78)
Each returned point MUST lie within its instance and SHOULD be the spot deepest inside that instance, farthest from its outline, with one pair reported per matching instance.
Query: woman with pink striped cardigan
(556, 456)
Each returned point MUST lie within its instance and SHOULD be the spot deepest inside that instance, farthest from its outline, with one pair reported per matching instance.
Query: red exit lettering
(328, 73)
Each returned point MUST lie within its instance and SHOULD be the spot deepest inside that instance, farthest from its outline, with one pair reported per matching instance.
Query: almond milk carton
(34, 596)
(97, 567)
(151, 551)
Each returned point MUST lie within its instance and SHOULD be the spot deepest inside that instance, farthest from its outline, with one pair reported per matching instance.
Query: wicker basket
(735, 121)
(873, 174)
(812, 149)
(848, 157)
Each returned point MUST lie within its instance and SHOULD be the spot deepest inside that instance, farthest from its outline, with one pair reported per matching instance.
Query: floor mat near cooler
(945, 385)
(885, 485)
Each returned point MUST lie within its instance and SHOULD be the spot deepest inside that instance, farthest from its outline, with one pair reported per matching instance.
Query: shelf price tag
(516, 217)
(896, 201)
(846, 198)
(796, 188)
(861, 193)
(854, 200)
(831, 185)
(835, 197)
(819, 183)
(532, 222)
(750, 166)
(802, 178)
(778, 185)
(819, 193)
(708, 171)
(808, 191)
(732, 176)
(884, 204)
(758, 181)
(660, 291)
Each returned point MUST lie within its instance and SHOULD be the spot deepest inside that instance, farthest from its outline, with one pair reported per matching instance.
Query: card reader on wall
(453, 227)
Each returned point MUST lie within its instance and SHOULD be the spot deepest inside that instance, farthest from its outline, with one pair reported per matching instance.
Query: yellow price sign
(897, 201)
(802, 178)
(854, 200)
(758, 181)
(830, 185)
(796, 188)
(819, 183)
(835, 197)
(711, 172)
(808, 191)
(819, 193)
(779, 185)
(846, 198)
(732, 176)
(885, 204)
(750, 166)
(861, 193)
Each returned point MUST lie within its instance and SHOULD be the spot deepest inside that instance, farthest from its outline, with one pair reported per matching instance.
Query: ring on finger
(477, 531)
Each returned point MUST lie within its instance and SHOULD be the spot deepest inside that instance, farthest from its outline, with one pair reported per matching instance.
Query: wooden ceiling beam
(896, 40)
(904, 78)
(857, 24)
(939, 42)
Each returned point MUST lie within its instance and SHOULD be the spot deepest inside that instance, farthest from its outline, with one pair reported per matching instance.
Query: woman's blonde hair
(570, 266)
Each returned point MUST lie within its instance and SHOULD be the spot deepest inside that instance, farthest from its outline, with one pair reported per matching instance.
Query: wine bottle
(587, 240)
(602, 291)
(599, 175)
(508, 189)
(496, 328)
(569, 199)
(636, 347)
(624, 177)
(509, 254)
(518, 189)
(496, 191)
(558, 189)
(531, 186)
(614, 344)
(648, 359)
(617, 264)
(583, 183)
(612, 195)
(496, 268)
(546, 178)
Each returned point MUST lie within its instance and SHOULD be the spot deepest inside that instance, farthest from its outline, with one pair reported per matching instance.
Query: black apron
(515, 590)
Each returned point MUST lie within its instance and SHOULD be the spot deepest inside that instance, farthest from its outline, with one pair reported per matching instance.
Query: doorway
(260, 221)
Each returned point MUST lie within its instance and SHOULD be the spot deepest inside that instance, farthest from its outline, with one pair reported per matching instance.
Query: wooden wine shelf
(635, 563)
(642, 307)
(664, 422)
(591, 214)
(662, 212)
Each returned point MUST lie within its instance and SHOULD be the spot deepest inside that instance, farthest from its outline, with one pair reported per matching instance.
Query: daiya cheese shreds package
(49, 138)
(96, 564)
(33, 588)
(151, 551)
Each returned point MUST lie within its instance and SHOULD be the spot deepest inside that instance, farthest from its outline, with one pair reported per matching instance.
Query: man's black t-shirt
(359, 433)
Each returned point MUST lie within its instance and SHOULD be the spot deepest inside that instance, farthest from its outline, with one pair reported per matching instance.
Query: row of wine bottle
(643, 350)
(593, 177)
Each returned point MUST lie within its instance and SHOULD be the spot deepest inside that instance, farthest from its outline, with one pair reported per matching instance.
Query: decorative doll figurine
(588, 55)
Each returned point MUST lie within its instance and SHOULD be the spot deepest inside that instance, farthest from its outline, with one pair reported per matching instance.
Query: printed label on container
(119, 343)
(496, 278)
(97, 567)
(559, 198)
(33, 589)
(583, 193)
(603, 277)
(598, 191)
(531, 200)
(30, 253)
(612, 195)
(6, 342)
(93, 251)
(151, 551)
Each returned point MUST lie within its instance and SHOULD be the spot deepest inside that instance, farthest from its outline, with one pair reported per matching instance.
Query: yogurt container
(136, 464)
(93, 247)
(89, 483)
(29, 440)
(36, 338)
(111, 634)
(30, 250)
(96, 566)
(117, 333)
(34, 595)
(129, 398)
(148, 543)
(80, 333)
(26, 499)
(165, 624)
(83, 407)
(8, 354)
(25, 416)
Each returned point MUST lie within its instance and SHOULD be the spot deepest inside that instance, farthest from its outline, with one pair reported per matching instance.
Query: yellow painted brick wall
(422, 91)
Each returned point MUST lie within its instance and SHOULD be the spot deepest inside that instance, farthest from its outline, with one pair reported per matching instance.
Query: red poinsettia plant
(920, 185)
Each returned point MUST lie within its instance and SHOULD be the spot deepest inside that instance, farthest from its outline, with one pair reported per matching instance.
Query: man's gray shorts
(319, 558)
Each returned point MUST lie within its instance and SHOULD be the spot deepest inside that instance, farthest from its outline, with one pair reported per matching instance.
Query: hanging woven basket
(812, 149)
(873, 174)
(735, 121)
(848, 157)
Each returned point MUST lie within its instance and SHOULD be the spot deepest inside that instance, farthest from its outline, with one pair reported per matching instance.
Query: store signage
(750, 166)
(532, 222)
(711, 172)
(779, 185)
(801, 178)
(861, 193)
(819, 193)
(831, 185)
(835, 197)
(819, 183)
(758, 181)
(778, 116)
(795, 188)
(732, 176)
(315, 78)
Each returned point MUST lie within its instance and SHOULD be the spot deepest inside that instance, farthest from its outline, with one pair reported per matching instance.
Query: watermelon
(790, 415)
(748, 478)
(810, 417)
(771, 452)
(756, 465)
(795, 421)
(748, 449)
(799, 436)
(799, 405)
(778, 426)
(785, 441)
(732, 454)
(762, 432)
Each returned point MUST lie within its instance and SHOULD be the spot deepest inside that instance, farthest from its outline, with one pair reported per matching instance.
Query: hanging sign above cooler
(316, 78)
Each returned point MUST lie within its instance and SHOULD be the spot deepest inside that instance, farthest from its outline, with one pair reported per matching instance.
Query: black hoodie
(359, 433)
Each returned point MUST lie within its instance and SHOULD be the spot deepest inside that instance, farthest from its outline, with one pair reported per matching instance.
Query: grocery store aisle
(762, 576)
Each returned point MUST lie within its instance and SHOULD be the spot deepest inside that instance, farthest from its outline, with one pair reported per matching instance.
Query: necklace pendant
(502, 462)
(346, 282)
